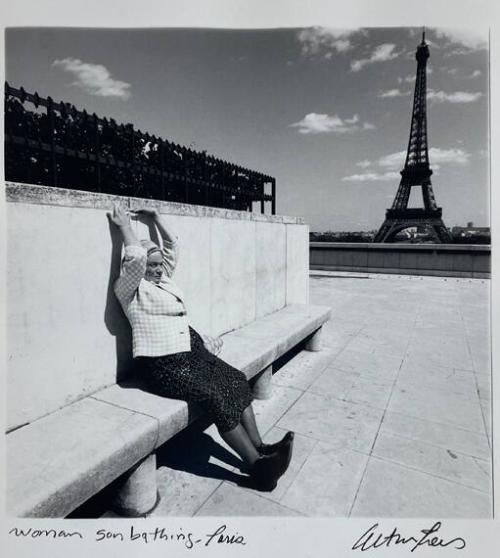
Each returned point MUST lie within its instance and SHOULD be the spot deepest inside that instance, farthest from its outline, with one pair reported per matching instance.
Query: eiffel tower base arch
(392, 226)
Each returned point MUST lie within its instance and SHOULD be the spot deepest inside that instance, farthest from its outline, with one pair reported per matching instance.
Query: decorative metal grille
(55, 144)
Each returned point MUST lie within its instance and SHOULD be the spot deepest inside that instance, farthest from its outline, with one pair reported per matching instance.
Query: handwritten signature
(371, 539)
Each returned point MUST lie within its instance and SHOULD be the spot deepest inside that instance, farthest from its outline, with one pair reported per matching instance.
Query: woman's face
(153, 268)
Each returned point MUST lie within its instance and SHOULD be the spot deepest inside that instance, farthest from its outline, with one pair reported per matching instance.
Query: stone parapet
(446, 260)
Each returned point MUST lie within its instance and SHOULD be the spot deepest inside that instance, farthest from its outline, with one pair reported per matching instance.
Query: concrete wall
(447, 260)
(67, 336)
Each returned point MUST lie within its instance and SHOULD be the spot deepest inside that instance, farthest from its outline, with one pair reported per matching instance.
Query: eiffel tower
(416, 171)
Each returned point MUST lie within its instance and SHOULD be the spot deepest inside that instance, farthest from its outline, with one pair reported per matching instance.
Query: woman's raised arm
(134, 261)
(169, 239)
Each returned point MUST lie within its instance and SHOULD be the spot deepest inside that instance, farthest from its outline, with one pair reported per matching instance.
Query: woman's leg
(238, 439)
(248, 422)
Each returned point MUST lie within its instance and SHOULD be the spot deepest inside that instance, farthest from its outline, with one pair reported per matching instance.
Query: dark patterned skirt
(198, 376)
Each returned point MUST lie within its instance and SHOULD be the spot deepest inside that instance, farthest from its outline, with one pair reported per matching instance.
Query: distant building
(469, 230)
(341, 236)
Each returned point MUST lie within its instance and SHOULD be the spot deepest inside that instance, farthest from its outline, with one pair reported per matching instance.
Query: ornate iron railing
(57, 145)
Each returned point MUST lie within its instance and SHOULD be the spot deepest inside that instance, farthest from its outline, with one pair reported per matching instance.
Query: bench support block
(136, 493)
(314, 343)
(262, 388)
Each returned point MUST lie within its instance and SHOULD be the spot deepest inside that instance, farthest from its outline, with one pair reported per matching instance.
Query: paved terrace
(392, 418)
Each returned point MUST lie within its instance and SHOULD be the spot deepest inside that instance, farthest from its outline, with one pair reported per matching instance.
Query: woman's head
(154, 268)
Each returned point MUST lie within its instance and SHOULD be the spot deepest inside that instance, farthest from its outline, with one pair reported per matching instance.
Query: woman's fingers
(145, 211)
(119, 216)
(218, 345)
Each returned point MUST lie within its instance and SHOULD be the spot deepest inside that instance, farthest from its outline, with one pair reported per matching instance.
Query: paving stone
(339, 423)
(229, 500)
(303, 369)
(368, 364)
(444, 380)
(444, 389)
(440, 357)
(353, 387)
(334, 383)
(367, 344)
(440, 462)
(182, 493)
(269, 411)
(436, 407)
(389, 490)
(327, 482)
(439, 434)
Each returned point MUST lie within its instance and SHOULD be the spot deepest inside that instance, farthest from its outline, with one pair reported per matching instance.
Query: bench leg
(137, 494)
(314, 344)
(262, 388)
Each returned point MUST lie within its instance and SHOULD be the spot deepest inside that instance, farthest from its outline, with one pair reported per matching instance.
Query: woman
(174, 358)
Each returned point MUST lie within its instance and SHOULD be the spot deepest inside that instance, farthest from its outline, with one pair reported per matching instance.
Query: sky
(325, 111)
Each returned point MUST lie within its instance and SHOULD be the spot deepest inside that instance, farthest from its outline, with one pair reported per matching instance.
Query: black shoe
(268, 449)
(266, 471)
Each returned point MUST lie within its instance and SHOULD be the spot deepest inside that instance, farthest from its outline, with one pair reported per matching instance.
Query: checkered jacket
(156, 312)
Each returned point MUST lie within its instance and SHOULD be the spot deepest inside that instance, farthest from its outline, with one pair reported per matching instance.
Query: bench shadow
(190, 451)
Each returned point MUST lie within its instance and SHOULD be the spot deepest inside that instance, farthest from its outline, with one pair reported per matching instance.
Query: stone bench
(58, 462)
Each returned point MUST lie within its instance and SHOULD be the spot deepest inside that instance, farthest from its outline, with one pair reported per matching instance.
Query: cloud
(314, 123)
(371, 177)
(382, 53)
(393, 161)
(317, 40)
(468, 39)
(94, 78)
(407, 79)
(437, 156)
(455, 97)
(387, 166)
(475, 73)
(452, 71)
(453, 155)
(392, 93)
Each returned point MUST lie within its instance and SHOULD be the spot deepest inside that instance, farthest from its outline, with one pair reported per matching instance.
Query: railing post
(273, 194)
(50, 114)
(226, 192)
(162, 169)
(132, 158)
(262, 194)
(186, 186)
(96, 151)
(205, 179)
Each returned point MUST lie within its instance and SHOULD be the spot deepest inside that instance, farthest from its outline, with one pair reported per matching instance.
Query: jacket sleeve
(133, 269)
(170, 253)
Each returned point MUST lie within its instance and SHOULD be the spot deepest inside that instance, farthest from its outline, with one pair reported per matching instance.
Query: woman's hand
(212, 344)
(147, 211)
(119, 216)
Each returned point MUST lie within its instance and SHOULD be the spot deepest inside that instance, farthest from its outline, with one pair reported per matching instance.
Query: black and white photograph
(248, 275)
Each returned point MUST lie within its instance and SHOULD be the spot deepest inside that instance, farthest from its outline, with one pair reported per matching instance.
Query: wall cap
(17, 192)
(402, 247)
